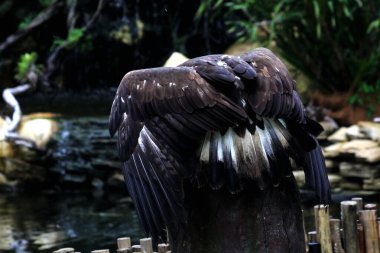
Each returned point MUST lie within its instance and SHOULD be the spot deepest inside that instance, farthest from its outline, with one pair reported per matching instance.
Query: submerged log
(250, 221)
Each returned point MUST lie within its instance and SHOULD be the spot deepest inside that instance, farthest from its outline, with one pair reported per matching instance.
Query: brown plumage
(232, 120)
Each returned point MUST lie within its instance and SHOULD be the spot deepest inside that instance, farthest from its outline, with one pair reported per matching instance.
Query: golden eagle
(232, 120)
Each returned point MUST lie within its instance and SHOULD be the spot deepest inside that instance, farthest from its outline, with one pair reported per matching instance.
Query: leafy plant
(73, 36)
(24, 64)
(367, 96)
(46, 3)
(336, 43)
(25, 22)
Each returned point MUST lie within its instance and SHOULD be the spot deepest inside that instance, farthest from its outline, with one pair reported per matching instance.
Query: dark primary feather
(234, 120)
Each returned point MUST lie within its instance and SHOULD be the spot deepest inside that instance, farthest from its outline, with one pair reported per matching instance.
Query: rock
(371, 184)
(363, 150)
(38, 127)
(97, 183)
(329, 127)
(299, 175)
(19, 170)
(38, 130)
(353, 133)
(333, 150)
(359, 170)
(3, 179)
(74, 179)
(359, 150)
(332, 165)
(355, 145)
(175, 59)
(370, 129)
(335, 180)
(371, 155)
(351, 185)
(339, 135)
(116, 181)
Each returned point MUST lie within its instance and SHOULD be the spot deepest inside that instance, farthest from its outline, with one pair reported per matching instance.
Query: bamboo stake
(146, 245)
(322, 225)
(335, 236)
(371, 237)
(348, 214)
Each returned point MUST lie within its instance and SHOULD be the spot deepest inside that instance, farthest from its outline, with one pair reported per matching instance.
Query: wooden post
(378, 228)
(350, 230)
(359, 204)
(162, 248)
(64, 250)
(312, 236)
(322, 225)
(335, 236)
(371, 237)
(370, 206)
(101, 251)
(126, 250)
(123, 242)
(314, 247)
(253, 220)
(146, 245)
(361, 237)
(304, 232)
(136, 248)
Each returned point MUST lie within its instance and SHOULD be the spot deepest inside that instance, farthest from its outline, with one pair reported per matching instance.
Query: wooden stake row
(357, 230)
(124, 246)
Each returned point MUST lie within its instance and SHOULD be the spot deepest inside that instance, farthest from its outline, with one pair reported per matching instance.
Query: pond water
(85, 220)
(49, 221)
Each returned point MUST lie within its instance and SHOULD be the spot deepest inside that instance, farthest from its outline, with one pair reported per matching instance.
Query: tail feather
(316, 175)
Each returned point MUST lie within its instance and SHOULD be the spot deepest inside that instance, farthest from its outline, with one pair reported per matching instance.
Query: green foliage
(25, 22)
(24, 64)
(367, 96)
(45, 3)
(334, 42)
(74, 35)
(5, 6)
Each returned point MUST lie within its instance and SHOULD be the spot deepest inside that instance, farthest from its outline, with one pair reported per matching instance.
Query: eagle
(216, 121)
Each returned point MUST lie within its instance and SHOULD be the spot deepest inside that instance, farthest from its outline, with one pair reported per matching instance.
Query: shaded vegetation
(91, 44)
(336, 43)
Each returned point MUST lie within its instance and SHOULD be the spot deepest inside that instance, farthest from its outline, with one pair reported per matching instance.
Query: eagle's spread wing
(233, 119)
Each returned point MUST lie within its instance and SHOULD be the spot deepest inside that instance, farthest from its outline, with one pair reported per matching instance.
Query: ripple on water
(45, 222)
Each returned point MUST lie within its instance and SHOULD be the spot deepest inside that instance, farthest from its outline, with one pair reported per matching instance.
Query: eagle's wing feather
(145, 93)
(161, 115)
(225, 112)
(274, 94)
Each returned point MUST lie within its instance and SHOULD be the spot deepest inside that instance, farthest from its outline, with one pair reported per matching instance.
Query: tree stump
(250, 221)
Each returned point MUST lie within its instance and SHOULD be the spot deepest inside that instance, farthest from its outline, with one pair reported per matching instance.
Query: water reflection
(45, 222)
